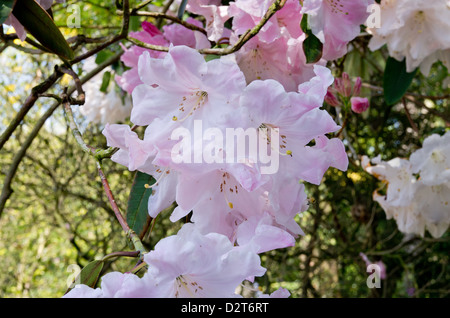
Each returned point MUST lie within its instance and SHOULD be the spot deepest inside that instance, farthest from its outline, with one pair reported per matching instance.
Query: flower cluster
(227, 183)
(344, 94)
(110, 105)
(187, 265)
(230, 140)
(418, 189)
(413, 29)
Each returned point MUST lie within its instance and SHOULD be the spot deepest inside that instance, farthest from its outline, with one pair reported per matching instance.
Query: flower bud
(347, 85)
(331, 99)
(359, 104)
(357, 87)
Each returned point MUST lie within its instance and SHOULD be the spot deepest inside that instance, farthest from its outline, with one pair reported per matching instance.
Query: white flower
(418, 189)
(102, 108)
(432, 161)
(416, 30)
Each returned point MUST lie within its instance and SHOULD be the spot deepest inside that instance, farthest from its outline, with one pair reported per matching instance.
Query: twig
(123, 223)
(408, 115)
(28, 104)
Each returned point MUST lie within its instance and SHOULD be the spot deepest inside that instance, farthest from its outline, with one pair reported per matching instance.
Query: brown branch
(168, 17)
(408, 115)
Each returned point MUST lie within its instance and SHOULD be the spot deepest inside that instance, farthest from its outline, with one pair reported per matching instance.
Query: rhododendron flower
(359, 104)
(215, 16)
(432, 161)
(188, 87)
(344, 93)
(279, 293)
(118, 285)
(276, 52)
(284, 23)
(299, 121)
(187, 264)
(413, 29)
(417, 203)
(190, 264)
(335, 23)
(172, 34)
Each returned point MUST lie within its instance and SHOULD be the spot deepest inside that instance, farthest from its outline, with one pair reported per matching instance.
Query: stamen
(202, 95)
(165, 172)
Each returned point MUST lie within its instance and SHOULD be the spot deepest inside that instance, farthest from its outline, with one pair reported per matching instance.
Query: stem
(250, 33)
(123, 223)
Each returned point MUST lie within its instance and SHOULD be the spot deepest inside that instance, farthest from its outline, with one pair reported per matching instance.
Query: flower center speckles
(191, 103)
(185, 284)
(437, 156)
(228, 189)
(419, 19)
(269, 131)
(337, 7)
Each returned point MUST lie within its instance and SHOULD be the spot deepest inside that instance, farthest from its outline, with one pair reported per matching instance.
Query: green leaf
(105, 82)
(135, 23)
(6, 7)
(38, 23)
(396, 80)
(89, 274)
(102, 56)
(312, 47)
(137, 211)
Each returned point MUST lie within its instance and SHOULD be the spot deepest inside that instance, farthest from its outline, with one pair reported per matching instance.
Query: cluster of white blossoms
(104, 107)
(418, 189)
(416, 30)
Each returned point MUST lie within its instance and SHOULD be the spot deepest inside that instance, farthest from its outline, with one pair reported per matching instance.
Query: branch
(29, 102)
(249, 34)
(6, 190)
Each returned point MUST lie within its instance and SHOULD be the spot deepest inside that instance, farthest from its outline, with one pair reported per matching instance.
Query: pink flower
(215, 16)
(299, 120)
(188, 87)
(118, 285)
(276, 52)
(178, 34)
(248, 13)
(150, 35)
(359, 104)
(336, 23)
(172, 33)
(190, 264)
